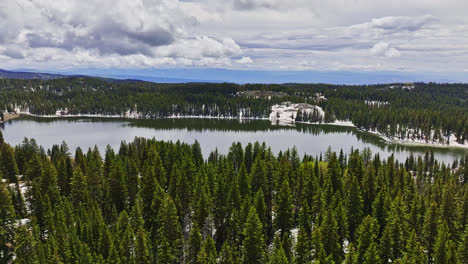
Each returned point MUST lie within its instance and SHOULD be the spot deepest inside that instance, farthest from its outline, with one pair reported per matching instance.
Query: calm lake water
(211, 133)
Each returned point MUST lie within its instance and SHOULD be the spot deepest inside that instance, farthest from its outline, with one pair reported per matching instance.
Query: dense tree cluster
(429, 111)
(163, 202)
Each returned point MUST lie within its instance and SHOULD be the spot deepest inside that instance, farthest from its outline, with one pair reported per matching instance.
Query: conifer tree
(244, 181)
(261, 209)
(284, 207)
(194, 245)
(24, 249)
(371, 256)
(302, 247)
(414, 251)
(353, 203)
(253, 249)
(366, 235)
(147, 191)
(464, 247)
(351, 255)
(430, 228)
(7, 221)
(278, 256)
(386, 246)
(207, 254)
(8, 163)
(441, 254)
(228, 254)
(329, 238)
(118, 185)
(142, 254)
(79, 188)
(170, 230)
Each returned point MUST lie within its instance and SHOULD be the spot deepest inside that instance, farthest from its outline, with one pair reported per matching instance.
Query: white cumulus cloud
(384, 50)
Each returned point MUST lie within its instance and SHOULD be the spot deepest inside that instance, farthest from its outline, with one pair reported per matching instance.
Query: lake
(211, 133)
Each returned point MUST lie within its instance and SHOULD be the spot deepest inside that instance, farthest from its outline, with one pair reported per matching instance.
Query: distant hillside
(29, 75)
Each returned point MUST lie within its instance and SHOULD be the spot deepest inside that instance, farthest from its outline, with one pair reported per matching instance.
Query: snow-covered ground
(286, 113)
(420, 142)
(375, 103)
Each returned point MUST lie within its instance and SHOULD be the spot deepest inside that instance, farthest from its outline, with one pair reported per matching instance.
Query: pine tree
(7, 221)
(441, 254)
(414, 252)
(398, 225)
(302, 248)
(452, 254)
(244, 181)
(201, 201)
(228, 254)
(197, 153)
(351, 255)
(429, 232)
(286, 244)
(141, 247)
(25, 247)
(253, 247)
(79, 188)
(118, 185)
(386, 246)
(147, 191)
(329, 237)
(278, 256)
(257, 177)
(366, 235)
(169, 230)
(284, 208)
(194, 245)
(448, 210)
(8, 163)
(207, 254)
(371, 256)
(464, 247)
(261, 209)
(353, 203)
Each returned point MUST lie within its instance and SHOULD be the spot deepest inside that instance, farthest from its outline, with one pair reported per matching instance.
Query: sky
(417, 38)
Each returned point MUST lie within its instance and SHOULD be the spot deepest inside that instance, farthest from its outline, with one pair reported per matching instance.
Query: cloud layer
(365, 35)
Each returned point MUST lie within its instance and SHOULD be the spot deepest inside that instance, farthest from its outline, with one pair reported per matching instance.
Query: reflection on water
(211, 133)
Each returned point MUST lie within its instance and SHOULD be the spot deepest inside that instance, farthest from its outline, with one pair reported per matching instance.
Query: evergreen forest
(163, 202)
(429, 112)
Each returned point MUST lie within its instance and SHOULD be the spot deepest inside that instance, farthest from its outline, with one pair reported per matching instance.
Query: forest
(427, 112)
(163, 202)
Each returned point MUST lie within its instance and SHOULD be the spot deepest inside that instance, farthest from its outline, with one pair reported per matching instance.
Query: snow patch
(286, 113)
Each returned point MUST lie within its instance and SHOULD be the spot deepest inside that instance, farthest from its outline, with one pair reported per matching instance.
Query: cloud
(200, 47)
(398, 23)
(321, 35)
(13, 53)
(244, 60)
(383, 49)
(155, 29)
(255, 4)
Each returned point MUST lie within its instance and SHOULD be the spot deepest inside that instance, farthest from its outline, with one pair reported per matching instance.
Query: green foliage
(253, 245)
(153, 202)
(430, 111)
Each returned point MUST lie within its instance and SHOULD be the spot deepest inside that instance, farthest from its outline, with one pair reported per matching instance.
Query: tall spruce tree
(253, 244)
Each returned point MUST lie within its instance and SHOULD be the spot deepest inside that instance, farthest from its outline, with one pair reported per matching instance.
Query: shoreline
(341, 123)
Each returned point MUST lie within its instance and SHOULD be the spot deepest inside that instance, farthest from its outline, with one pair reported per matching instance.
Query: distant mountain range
(214, 75)
(31, 74)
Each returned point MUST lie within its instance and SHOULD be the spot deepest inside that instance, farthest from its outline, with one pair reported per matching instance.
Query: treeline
(428, 112)
(162, 202)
